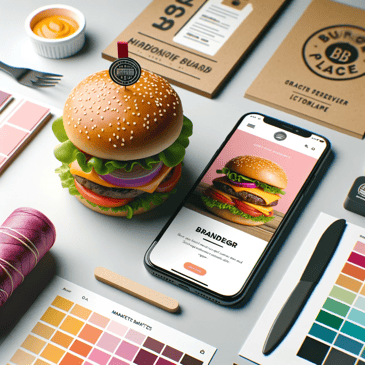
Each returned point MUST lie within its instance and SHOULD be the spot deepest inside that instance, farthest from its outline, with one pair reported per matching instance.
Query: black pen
(313, 272)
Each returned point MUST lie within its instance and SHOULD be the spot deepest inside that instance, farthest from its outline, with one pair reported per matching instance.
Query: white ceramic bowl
(56, 48)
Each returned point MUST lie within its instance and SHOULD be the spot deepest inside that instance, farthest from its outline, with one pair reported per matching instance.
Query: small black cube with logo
(355, 200)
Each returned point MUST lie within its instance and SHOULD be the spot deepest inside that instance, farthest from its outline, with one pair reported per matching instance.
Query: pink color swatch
(28, 115)
(99, 357)
(115, 361)
(5, 99)
(127, 351)
(10, 138)
(18, 126)
(108, 342)
(135, 336)
(99, 320)
(359, 247)
(117, 328)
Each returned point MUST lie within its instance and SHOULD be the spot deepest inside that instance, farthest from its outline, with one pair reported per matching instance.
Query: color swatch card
(331, 328)
(69, 325)
(20, 120)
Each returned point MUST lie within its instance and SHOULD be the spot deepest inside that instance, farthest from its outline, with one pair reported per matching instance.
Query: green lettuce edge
(144, 200)
(211, 203)
(240, 178)
(67, 152)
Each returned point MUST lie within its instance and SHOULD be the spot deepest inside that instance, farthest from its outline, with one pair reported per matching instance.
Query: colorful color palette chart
(73, 326)
(20, 120)
(338, 334)
(330, 329)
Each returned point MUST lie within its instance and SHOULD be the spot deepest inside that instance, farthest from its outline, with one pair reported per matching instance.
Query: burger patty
(243, 195)
(117, 193)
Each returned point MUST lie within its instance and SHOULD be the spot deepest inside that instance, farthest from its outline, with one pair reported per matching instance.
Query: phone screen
(226, 223)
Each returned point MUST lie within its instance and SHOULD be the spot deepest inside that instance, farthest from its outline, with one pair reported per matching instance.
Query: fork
(31, 78)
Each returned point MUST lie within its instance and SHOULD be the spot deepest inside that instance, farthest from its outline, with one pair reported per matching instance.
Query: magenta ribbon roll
(25, 237)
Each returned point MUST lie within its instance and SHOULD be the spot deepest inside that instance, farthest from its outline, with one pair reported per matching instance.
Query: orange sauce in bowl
(55, 27)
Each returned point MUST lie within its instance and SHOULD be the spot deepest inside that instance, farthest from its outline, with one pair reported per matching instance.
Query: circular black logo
(280, 136)
(336, 53)
(125, 71)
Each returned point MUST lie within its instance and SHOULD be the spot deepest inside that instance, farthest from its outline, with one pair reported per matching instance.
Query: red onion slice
(137, 177)
(244, 184)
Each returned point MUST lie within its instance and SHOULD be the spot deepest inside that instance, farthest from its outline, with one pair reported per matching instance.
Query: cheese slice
(268, 197)
(150, 187)
(260, 208)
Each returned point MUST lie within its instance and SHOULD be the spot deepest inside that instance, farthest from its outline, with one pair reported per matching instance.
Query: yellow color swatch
(72, 325)
(53, 317)
(62, 303)
(42, 330)
(33, 344)
(22, 358)
(62, 339)
(52, 353)
(81, 312)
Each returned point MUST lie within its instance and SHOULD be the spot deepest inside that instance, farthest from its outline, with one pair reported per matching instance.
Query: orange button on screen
(195, 269)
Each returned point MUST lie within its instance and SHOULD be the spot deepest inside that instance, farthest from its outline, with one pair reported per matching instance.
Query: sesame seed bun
(259, 168)
(109, 121)
(227, 215)
(115, 214)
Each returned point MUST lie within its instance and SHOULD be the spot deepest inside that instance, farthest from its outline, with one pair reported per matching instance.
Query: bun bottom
(227, 215)
(115, 214)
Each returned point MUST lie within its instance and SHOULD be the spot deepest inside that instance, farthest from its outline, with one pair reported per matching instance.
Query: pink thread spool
(25, 237)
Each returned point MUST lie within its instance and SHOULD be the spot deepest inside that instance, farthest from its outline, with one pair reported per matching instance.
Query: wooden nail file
(137, 290)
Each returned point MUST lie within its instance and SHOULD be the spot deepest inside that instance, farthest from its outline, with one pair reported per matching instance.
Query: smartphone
(216, 242)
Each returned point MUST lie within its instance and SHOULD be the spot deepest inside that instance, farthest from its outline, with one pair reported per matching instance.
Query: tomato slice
(246, 208)
(214, 194)
(99, 199)
(168, 185)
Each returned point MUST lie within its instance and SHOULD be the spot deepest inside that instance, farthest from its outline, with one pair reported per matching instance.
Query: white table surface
(86, 239)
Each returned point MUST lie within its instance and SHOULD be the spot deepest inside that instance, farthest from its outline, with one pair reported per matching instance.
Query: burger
(248, 192)
(121, 147)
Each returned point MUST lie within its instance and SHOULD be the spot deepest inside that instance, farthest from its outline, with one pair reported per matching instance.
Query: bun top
(109, 121)
(259, 168)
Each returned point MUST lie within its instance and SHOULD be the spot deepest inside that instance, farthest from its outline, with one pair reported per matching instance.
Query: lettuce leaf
(143, 200)
(240, 178)
(211, 203)
(67, 152)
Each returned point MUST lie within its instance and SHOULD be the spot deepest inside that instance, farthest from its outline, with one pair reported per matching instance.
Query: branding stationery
(318, 71)
(69, 325)
(195, 43)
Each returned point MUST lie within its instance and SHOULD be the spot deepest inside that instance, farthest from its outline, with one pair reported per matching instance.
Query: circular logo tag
(336, 53)
(125, 71)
